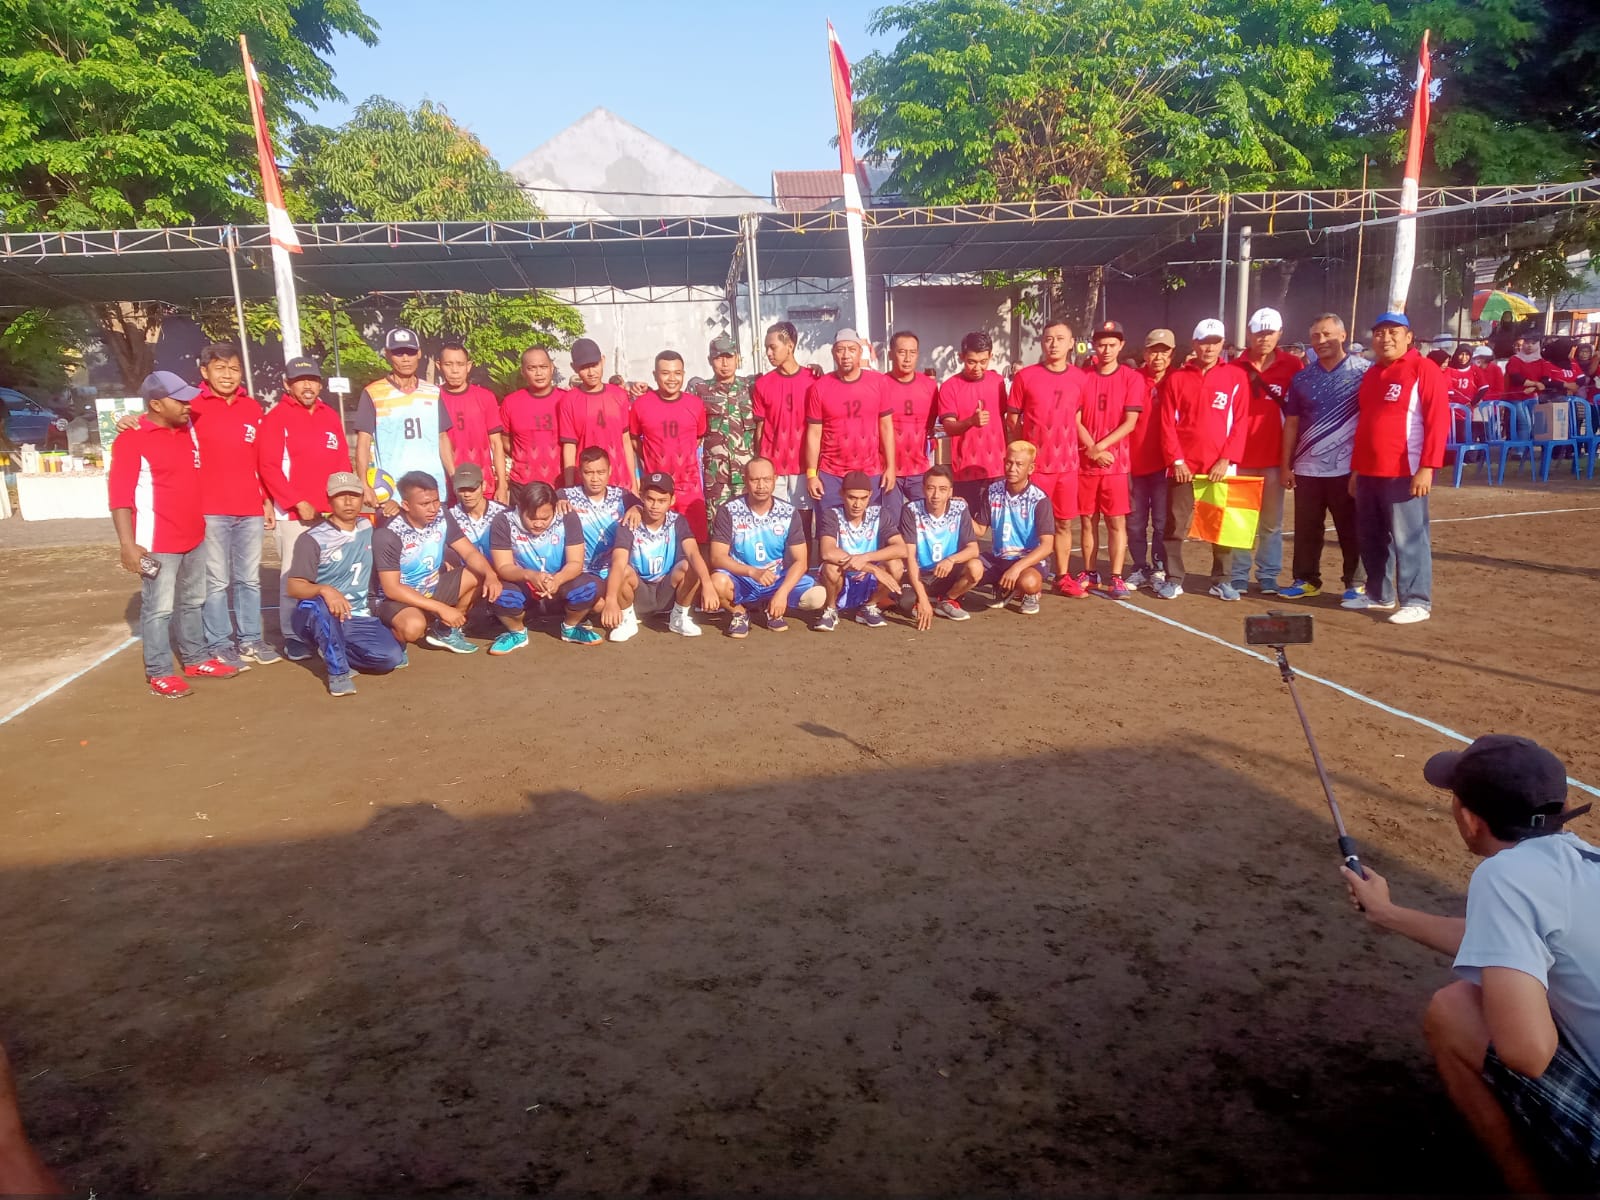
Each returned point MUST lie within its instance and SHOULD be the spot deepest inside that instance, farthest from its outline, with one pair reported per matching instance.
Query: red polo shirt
(299, 448)
(1403, 418)
(1263, 439)
(531, 426)
(155, 471)
(1204, 415)
(474, 415)
(230, 485)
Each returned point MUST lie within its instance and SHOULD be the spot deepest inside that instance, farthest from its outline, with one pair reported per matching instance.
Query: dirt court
(1035, 905)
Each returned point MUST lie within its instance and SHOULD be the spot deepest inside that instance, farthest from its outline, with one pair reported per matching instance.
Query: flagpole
(280, 229)
(231, 238)
(855, 231)
(1405, 235)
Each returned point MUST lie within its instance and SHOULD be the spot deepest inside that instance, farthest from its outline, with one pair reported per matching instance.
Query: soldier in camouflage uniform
(730, 440)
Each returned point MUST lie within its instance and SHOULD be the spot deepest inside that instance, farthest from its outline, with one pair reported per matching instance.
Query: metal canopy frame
(657, 258)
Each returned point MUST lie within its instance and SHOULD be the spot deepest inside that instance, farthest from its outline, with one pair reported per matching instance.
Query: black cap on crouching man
(1514, 784)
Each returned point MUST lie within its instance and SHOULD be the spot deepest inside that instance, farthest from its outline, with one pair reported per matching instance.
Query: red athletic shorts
(1104, 496)
(1062, 489)
(693, 509)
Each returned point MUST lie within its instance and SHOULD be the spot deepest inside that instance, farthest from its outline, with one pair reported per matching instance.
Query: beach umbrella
(1490, 304)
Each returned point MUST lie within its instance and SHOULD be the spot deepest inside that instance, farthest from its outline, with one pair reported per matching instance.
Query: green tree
(129, 113)
(37, 346)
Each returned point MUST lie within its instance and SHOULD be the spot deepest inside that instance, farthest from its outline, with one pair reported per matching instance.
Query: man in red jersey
(156, 508)
(1043, 409)
(595, 413)
(1113, 395)
(779, 403)
(913, 403)
(667, 425)
(971, 410)
(1204, 405)
(1402, 424)
(530, 417)
(301, 442)
(476, 432)
(226, 424)
(1147, 468)
(848, 427)
(1271, 371)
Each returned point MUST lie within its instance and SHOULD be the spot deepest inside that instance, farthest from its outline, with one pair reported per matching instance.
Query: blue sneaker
(739, 625)
(1351, 593)
(871, 616)
(828, 621)
(1224, 591)
(232, 658)
(341, 685)
(580, 635)
(405, 658)
(453, 640)
(509, 641)
(259, 653)
(295, 650)
(778, 624)
(1300, 590)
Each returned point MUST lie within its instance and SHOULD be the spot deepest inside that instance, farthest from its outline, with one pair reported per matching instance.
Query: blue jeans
(1392, 529)
(233, 569)
(354, 644)
(1147, 523)
(1269, 533)
(180, 589)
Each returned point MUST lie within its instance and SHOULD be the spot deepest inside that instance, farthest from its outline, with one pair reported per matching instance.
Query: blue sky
(741, 87)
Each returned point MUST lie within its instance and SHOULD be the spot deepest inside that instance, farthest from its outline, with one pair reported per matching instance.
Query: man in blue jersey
(401, 424)
(418, 594)
(601, 508)
(1021, 525)
(758, 554)
(329, 576)
(474, 511)
(945, 563)
(658, 566)
(1319, 437)
(859, 559)
(539, 556)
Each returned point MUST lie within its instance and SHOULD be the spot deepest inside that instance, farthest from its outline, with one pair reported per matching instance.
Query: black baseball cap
(401, 338)
(1110, 329)
(301, 368)
(585, 353)
(1513, 783)
(657, 481)
(856, 481)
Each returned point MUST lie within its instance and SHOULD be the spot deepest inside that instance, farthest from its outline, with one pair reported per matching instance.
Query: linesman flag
(1226, 512)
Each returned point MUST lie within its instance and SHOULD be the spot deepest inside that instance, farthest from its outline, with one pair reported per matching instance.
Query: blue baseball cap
(164, 384)
(1392, 318)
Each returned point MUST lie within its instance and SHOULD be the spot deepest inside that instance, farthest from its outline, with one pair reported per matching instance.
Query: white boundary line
(1538, 512)
(61, 683)
(1327, 683)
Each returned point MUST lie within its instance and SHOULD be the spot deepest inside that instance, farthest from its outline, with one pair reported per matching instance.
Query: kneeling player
(540, 558)
(418, 595)
(1021, 525)
(758, 554)
(329, 575)
(944, 556)
(658, 566)
(857, 556)
(601, 509)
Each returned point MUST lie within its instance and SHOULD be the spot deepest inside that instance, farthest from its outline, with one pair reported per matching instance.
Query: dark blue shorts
(994, 567)
(585, 589)
(745, 591)
(857, 590)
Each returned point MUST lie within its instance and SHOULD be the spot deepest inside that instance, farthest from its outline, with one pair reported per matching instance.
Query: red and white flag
(1405, 231)
(280, 230)
(844, 111)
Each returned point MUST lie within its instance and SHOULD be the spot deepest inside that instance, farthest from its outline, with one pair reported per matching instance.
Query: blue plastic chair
(1552, 445)
(1510, 430)
(1462, 443)
(1585, 434)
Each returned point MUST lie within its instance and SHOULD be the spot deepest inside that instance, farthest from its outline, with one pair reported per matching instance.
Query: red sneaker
(1066, 585)
(170, 687)
(212, 668)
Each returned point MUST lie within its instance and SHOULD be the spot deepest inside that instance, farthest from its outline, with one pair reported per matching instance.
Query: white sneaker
(951, 611)
(1137, 580)
(1409, 615)
(1365, 601)
(627, 627)
(683, 625)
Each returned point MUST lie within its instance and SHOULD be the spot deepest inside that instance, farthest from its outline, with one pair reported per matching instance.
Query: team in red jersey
(668, 425)
(1270, 370)
(1044, 409)
(476, 431)
(913, 405)
(972, 413)
(595, 413)
(778, 401)
(849, 426)
(1147, 482)
(1113, 397)
(531, 418)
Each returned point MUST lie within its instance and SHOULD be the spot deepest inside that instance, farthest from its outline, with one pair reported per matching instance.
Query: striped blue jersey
(936, 538)
(599, 516)
(1325, 402)
(477, 529)
(546, 551)
(418, 554)
(855, 539)
(655, 553)
(1016, 523)
(758, 539)
(338, 558)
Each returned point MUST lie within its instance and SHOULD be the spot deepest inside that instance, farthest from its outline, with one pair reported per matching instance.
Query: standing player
(600, 507)
(758, 554)
(418, 594)
(1044, 409)
(779, 402)
(329, 578)
(668, 426)
(401, 424)
(300, 443)
(660, 564)
(857, 547)
(971, 408)
(1020, 524)
(1270, 371)
(155, 506)
(1114, 394)
(594, 415)
(1147, 523)
(848, 426)
(531, 419)
(944, 559)
(539, 556)
(730, 423)
(1203, 407)
(477, 435)
(913, 405)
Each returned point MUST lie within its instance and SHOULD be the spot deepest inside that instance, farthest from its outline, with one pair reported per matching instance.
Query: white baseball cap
(1266, 320)
(1482, 352)
(1210, 328)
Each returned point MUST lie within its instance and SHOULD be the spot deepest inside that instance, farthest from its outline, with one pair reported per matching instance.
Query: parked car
(27, 422)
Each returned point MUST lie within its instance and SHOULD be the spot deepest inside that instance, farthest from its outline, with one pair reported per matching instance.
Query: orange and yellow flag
(1226, 512)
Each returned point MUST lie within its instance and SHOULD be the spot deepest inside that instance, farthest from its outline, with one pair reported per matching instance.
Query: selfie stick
(1347, 844)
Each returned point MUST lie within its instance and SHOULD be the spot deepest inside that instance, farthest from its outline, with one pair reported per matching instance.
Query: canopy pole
(1241, 302)
(753, 282)
(1222, 284)
(231, 240)
(333, 336)
(1361, 235)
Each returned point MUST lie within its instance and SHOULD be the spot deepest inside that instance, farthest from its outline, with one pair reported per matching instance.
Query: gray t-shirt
(1535, 907)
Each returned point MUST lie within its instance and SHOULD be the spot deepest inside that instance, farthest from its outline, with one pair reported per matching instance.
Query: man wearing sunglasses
(401, 424)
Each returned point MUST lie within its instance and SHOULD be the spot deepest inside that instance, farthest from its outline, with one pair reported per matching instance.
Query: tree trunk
(1076, 296)
(1277, 295)
(130, 331)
